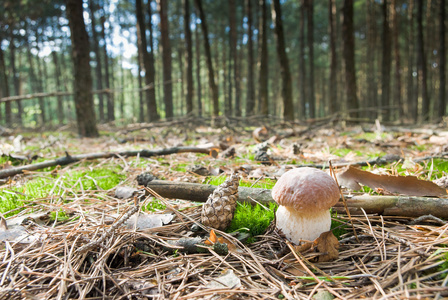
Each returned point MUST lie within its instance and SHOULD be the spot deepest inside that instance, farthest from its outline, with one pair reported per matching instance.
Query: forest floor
(69, 233)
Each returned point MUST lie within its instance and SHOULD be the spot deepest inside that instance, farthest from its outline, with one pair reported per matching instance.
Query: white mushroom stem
(302, 226)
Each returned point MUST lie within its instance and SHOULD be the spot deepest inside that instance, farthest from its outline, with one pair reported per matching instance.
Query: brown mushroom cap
(306, 190)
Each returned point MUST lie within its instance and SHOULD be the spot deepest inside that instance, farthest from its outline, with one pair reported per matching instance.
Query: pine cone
(218, 211)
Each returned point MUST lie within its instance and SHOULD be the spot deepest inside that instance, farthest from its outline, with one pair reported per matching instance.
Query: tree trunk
(348, 38)
(5, 87)
(107, 74)
(188, 58)
(208, 55)
(288, 108)
(141, 109)
(250, 98)
(152, 104)
(441, 111)
(372, 91)
(310, 35)
(99, 65)
(386, 65)
(421, 62)
(198, 72)
(148, 68)
(234, 55)
(166, 58)
(397, 86)
(333, 92)
(263, 76)
(412, 95)
(82, 73)
(40, 81)
(57, 76)
(302, 67)
(15, 78)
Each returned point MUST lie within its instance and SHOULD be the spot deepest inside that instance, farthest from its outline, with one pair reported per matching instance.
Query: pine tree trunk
(333, 92)
(4, 85)
(372, 93)
(188, 58)
(288, 108)
(57, 76)
(15, 77)
(82, 73)
(441, 110)
(411, 93)
(397, 87)
(349, 58)
(310, 35)
(421, 62)
(302, 67)
(198, 72)
(263, 76)
(208, 56)
(234, 55)
(166, 58)
(141, 103)
(250, 98)
(386, 64)
(107, 74)
(99, 65)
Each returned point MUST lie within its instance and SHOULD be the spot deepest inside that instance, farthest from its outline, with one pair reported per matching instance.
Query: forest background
(122, 62)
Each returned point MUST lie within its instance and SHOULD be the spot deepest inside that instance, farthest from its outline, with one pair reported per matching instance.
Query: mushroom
(304, 196)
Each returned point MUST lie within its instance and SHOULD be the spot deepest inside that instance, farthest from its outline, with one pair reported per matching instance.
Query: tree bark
(208, 55)
(302, 66)
(421, 62)
(57, 76)
(412, 95)
(198, 72)
(82, 73)
(263, 76)
(397, 87)
(310, 36)
(386, 64)
(15, 77)
(441, 111)
(372, 91)
(333, 92)
(250, 98)
(107, 74)
(5, 87)
(189, 57)
(288, 108)
(349, 58)
(166, 58)
(234, 55)
(99, 65)
(151, 72)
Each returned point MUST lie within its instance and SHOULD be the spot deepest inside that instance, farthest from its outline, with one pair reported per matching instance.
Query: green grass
(444, 265)
(154, 205)
(337, 226)
(252, 218)
(265, 183)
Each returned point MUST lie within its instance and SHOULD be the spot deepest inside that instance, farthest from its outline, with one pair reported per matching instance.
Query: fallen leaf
(228, 279)
(323, 295)
(328, 245)
(352, 177)
(125, 192)
(147, 221)
(215, 239)
(212, 239)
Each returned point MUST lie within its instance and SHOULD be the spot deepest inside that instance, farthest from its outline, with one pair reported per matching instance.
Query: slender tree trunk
(85, 113)
(198, 72)
(441, 111)
(348, 38)
(397, 87)
(141, 103)
(263, 76)
(188, 57)
(234, 54)
(333, 92)
(5, 87)
(148, 68)
(302, 66)
(372, 93)
(99, 65)
(166, 58)
(288, 107)
(421, 62)
(57, 76)
(386, 64)
(152, 109)
(411, 102)
(310, 35)
(107, 74)
(250, 98)
(208, 55)
(15, 77)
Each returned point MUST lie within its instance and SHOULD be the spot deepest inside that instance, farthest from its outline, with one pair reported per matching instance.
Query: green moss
(444, 265)
(154, 205)
(338, 227)
(103, 178)
(60, 215)
(265, 183)
(255, 219)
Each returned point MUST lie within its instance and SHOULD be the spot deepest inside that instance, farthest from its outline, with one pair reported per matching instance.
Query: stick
(68, 159)
(386, 205)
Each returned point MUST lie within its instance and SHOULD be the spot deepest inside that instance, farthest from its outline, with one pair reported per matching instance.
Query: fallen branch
(68, 159)
(385, 205)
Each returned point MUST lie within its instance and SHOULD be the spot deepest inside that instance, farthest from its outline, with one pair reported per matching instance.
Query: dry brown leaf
(327, 244)
(352, 177)
(214, 238)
